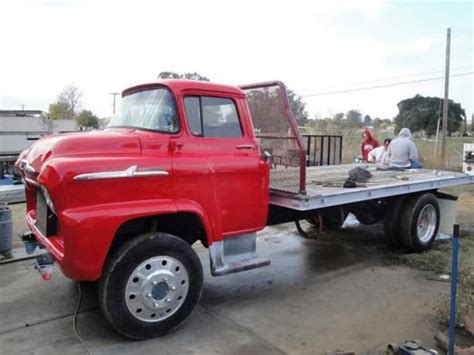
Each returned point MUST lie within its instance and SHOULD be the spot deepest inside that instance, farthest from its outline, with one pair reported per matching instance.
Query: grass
(438, 260)
(454, 155)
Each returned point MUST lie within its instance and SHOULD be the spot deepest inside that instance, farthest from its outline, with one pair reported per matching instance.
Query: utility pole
(446, 100)
(113, 104)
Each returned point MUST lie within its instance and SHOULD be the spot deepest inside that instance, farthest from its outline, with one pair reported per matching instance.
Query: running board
(235, 254)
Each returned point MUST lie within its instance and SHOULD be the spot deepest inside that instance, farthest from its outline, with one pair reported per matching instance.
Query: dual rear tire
(412, 223)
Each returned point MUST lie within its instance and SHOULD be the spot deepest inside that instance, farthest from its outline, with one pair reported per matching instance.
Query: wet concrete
(316, 296)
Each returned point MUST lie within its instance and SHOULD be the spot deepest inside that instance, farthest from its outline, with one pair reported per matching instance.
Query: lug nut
(168, 300)
(148, 295)
(155, 282)
(173, 288)
(155, 304)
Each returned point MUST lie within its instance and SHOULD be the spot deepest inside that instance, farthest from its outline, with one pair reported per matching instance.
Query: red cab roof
(181, 85)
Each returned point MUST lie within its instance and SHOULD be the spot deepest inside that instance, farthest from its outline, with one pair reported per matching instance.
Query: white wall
(19, 133)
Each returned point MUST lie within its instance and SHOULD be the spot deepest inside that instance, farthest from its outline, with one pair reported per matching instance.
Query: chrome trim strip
(27, 167)
(132, 171)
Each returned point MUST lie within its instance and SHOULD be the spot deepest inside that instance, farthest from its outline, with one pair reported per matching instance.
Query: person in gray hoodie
(402, 152)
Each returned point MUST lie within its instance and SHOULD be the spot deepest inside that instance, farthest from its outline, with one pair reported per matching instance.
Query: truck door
(219, 163)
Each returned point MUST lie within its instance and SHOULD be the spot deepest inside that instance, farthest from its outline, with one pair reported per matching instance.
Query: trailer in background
(468, 159)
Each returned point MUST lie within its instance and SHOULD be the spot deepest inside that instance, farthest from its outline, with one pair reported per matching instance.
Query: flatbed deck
(324, 185)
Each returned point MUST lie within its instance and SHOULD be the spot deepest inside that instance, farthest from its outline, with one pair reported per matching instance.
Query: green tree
(58, 110)
(353, 119)
(421, 113)
(339, 118)
(298, 107)
(367, 120)
(87, 119)
(376, 122)
(66, 104)
(188, 76)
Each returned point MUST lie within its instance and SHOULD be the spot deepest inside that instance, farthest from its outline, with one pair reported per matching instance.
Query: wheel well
(186, 226)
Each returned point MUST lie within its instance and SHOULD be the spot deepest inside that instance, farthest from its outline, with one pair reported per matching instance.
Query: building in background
(19, 129)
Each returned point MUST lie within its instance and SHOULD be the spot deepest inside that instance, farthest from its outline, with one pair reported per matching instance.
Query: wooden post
(446, 100)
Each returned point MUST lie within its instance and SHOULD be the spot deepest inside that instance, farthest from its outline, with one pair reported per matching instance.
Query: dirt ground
(347, 291)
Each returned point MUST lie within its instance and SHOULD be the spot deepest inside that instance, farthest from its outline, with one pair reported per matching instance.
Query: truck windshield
(149, 109)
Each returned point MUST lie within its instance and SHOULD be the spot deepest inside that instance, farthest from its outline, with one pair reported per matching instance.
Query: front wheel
(150, 285)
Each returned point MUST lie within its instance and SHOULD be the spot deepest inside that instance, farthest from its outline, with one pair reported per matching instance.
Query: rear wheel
(391, 221)
(150, 285)
(368, 213)
(419, 222)
(333, 217)
(310, 227)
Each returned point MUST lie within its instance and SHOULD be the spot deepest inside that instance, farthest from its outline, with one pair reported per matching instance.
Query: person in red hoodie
(368, 143)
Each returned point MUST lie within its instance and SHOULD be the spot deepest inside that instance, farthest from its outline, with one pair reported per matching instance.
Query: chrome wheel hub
(156, 289)
(426, 223)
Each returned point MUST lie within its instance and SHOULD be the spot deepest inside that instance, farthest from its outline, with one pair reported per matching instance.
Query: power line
(391, 78)
(382, 86)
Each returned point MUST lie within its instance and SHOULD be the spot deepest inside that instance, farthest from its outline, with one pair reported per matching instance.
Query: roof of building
(21, 113)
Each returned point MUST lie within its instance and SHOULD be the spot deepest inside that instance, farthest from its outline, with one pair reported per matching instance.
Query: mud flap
(447, 210)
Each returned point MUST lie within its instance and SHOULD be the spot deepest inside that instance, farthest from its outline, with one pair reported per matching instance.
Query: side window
(212, 117)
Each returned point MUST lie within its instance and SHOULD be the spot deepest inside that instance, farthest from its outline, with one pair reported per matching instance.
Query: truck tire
(391, 221)
(419, 222)
(333, 217)
(150, 285)
(310, 228)
(368, 213)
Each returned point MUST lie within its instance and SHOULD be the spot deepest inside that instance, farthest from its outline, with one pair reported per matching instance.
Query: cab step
(235, 254)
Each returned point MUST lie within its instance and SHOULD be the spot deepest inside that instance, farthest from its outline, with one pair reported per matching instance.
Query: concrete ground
(316, 296)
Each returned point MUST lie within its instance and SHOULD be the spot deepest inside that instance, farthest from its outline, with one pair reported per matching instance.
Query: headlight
(48, 199)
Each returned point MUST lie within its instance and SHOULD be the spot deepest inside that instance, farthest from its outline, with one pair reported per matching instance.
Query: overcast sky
(313, 46)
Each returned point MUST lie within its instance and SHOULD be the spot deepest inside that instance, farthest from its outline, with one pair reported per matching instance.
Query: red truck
(188, 161)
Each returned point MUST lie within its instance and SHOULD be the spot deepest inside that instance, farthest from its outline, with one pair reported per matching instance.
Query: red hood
(369, 135)
(82, 143)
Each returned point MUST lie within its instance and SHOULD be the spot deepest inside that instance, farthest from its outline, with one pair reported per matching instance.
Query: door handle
(245, 146)
(173, 146)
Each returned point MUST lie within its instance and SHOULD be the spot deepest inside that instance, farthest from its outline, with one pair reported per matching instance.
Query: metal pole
(113, 104)
(446, 99)
(437, 137)
(454, 287)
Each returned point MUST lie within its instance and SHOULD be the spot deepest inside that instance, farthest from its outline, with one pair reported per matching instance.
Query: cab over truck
(188, 161)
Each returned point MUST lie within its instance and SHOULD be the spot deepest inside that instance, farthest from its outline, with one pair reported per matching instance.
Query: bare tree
(67, 103)
(71, 95)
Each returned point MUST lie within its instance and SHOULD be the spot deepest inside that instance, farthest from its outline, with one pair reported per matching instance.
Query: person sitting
(368, 143)
(377, 155)
(402, 152)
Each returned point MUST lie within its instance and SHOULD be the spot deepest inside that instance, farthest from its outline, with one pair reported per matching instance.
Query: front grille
(46, 220)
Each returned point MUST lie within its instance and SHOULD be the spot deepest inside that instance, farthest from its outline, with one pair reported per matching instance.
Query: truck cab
(180, 161)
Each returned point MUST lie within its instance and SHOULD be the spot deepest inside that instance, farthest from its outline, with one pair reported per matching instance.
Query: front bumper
(53, 244)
